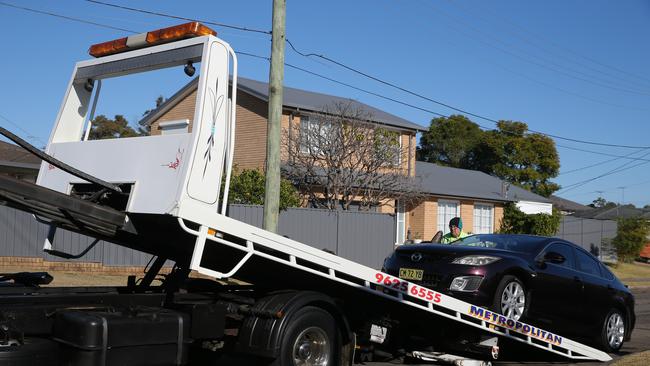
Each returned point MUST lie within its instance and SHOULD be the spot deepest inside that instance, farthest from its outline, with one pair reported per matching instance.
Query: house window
(447, 210)
(483, 218)
(314, 134)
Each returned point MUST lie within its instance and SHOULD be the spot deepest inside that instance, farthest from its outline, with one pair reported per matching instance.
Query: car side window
(587, 263)
(565, 250)
(606, 272)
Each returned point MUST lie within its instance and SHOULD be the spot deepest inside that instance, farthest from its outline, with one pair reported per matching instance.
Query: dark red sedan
(548, 282)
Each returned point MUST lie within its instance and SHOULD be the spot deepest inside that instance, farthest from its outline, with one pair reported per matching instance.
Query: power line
(65, 17)
(27, 134)
(620, 168)
(366, 75)
(597, 164)
(564, 50)
(387, 83)
(346, 84)
(355, 71)
(604, 154)
(240, 28)
(606, 83)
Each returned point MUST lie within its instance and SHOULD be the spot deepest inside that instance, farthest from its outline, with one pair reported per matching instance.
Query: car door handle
(577, 279)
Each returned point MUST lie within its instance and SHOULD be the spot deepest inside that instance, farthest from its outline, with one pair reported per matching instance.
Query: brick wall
(498, 217)
(182, 110)
(467, 215)
(423, 218)
(250, 134)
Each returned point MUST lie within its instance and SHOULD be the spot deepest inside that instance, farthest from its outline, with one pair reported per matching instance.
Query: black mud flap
(60, 209)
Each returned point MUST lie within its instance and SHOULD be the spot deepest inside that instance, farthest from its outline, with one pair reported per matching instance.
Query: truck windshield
(134, 105)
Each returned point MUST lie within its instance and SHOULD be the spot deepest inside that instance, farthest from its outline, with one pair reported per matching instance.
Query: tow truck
(292, 304)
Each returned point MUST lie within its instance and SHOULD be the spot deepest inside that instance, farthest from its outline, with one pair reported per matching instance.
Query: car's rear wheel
(613, 332)
(510, 298)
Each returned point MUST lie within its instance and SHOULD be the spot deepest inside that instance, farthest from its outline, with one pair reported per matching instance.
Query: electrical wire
(534, 59)
(602, 153)
(340, 64)
(27, 134)
(623, 167)
(240, 28)
(564, 50)
(64, 17)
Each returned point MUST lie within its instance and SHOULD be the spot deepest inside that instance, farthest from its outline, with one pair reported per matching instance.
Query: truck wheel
(311, 339)
(510, 298)
(613, 332)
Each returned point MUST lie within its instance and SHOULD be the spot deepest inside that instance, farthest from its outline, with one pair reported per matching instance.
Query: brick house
(18, 163)
(298, 107)
(481, 197)
(476, 197)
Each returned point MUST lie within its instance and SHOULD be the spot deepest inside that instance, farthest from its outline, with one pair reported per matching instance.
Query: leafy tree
(601, 202)
(247, 187)
(105, 128)
(631, 236)
(516, 222)
(529, 160)
(510, 152)
(451, 141)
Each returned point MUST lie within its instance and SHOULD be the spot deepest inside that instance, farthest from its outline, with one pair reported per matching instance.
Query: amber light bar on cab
(160, 36)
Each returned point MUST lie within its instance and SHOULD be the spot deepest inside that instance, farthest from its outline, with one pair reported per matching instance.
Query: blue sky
(573, 68)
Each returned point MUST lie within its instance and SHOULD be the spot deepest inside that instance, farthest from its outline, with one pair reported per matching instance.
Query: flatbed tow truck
(304, 306)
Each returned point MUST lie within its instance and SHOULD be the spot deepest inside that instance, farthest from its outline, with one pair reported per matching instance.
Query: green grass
(636, 271)
(636, 359)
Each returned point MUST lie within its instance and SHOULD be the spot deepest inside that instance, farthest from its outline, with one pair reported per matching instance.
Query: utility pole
(276, 77)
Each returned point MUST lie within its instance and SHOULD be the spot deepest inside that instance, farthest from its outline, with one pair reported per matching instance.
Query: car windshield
(505, 242)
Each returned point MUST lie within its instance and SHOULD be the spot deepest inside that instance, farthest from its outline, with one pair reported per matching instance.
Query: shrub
(247, 187)
(517, 222)
(631, 236)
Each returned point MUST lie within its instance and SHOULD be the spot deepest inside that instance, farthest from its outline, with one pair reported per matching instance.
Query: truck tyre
(612, 334)
(311, 339)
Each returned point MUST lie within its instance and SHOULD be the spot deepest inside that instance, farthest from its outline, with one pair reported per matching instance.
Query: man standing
(455, 231)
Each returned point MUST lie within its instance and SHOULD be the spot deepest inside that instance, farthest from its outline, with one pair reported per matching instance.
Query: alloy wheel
(513, 300)
(615, 330)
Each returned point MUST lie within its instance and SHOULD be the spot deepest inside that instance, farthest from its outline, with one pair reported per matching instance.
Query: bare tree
(338, 157)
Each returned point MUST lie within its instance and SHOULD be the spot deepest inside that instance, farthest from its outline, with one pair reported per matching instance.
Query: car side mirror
(554, 257)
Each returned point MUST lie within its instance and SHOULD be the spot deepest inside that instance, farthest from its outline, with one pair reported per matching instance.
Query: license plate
(411, 274)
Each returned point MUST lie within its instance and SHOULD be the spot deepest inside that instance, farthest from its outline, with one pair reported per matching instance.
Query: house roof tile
(454, 182)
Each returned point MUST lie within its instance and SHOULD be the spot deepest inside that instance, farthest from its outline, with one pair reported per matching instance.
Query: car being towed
(545, 281)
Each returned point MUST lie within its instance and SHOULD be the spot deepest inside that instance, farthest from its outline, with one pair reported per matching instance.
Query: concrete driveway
(640, 341)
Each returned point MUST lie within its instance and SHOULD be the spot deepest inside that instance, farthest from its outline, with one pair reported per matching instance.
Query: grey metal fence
(22, 236)
(364, 237)
(593, 235)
